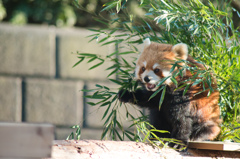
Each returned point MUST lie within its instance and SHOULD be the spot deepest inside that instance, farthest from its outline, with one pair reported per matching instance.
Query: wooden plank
(215, 145)
(24, 140)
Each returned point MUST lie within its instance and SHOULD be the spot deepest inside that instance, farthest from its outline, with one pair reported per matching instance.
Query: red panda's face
(155, 63)
(150, 74)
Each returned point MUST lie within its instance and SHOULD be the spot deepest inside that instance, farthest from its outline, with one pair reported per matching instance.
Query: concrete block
(27, 50)
(25, 140)
(71, 41)
(53, 101)
(62, 133)
(10, 99)
(94, 114)
(91, 133)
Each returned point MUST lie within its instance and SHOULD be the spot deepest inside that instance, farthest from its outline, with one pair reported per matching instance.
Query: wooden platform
(215, 145)
(214, 149)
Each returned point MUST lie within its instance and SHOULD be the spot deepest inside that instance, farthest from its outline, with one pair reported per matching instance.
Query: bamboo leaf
(128, 136)
(101, 21)
(105, 113)
(87, 54)
(91, 103)
(78, 133)
(71, 136)
(173, 79)
(95, 30)
(173, 68)
(119, 136)
(127, 52)
(160, 131)
(92, 59)
(109, 5)
(116, 81)
(99, 86)
(181, 86)
(104, 39)
(118, 5)
(162, 81)
(100, 63)
(186, 89)
(113, 72)
(113, 41)
(162, 97)
(94, 38)
(106, 103)
(146, 136)
(155, 93)
(197, 81)
(119, 125)
(127, 64)
(88, 90)
(81, 59)
(105, 132)
(114, 53)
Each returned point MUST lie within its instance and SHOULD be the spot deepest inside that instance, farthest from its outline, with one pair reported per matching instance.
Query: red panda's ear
(146, 42)
(181, 50)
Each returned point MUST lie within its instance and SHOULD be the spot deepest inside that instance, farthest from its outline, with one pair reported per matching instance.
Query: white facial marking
(155, 65)
(154, 79)
(145, 63)
(152, 76)
(137, 69)
(167, 73)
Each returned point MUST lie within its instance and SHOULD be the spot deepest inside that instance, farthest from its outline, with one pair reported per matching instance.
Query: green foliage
(77, 134)
(212, 41)
(55, 12)
(231, 131)
(2, 11)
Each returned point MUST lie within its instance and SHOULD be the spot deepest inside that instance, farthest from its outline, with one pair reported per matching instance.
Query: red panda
(194, 116)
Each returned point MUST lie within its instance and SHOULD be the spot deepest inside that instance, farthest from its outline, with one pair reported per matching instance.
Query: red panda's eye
(143, 69)
(156, 70)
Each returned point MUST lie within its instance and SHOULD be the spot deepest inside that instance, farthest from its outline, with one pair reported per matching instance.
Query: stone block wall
(38, 83)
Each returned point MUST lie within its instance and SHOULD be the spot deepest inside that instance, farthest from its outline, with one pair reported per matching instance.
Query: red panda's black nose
(146, 79)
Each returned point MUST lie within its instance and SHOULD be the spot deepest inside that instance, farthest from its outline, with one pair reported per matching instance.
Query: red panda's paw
(125, 96)
(180, 146)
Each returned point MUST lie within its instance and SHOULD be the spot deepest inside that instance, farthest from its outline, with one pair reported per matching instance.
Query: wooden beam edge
(215, 145)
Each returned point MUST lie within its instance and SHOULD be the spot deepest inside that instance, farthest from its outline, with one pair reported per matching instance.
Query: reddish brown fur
(190, 116)
(204, 106)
